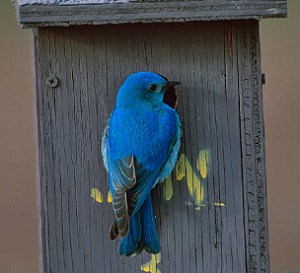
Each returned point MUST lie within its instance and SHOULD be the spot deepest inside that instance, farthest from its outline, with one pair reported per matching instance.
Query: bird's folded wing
(122, 175)
(147, 179)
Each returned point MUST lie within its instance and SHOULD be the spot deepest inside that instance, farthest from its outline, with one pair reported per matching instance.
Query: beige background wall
(18, 212)
(280, 41)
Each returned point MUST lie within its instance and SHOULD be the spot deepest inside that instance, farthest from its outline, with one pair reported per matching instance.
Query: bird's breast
(138, 133)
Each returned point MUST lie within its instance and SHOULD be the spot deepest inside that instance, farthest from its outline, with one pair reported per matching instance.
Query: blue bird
(139, 147)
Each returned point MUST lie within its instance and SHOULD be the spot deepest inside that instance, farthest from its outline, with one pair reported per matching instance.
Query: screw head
(52, 81)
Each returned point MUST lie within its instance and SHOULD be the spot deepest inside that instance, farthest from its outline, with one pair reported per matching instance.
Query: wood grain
(220, 106)
(37, 13)
(253, 148)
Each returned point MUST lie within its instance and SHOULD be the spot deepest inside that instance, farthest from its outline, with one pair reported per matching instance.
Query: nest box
(211, 214)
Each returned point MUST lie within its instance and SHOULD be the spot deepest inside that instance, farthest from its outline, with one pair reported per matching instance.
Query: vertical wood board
(253, 149)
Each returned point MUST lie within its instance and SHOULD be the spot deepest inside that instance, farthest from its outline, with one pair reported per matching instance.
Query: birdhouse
(211, 214)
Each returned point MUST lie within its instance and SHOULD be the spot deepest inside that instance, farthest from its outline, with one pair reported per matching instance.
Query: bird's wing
(146, 180)
(122, 178)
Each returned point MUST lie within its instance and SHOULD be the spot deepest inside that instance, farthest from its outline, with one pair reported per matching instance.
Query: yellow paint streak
(180, 167)
(109, 197)
(219, 204)
(184, 169)
(202, 163)
(151, 265)
(96, 195)
(168, 188)
(209, 205)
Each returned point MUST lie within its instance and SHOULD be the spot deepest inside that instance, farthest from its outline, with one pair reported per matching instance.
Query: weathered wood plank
(253, 147)
(220, 107)
(37, 13)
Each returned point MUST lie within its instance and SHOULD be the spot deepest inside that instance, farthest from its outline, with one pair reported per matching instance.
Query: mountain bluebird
(139, 147)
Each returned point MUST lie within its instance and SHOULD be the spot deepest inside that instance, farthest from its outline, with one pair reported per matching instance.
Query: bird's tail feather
(150, 238)
(142, 232)
(132, 242)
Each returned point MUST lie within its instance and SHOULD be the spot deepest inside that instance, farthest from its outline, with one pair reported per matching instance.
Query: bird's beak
(171, 84)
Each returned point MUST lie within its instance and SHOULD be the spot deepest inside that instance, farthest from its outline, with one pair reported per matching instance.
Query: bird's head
(144, 87)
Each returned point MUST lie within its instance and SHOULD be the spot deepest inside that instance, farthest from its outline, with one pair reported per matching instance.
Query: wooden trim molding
(38, 13)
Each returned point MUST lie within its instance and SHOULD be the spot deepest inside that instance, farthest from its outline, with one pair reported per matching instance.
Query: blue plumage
(139, 148)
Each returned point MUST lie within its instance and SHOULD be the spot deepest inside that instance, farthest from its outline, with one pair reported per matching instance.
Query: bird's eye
(153, 87)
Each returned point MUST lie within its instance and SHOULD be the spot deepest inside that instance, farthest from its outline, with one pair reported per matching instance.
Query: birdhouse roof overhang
(40, 13)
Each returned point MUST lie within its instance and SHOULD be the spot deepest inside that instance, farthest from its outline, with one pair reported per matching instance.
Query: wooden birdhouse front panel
(210, 214)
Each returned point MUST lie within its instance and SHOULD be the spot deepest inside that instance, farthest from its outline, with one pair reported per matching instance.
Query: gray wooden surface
(220, 106)
(34, 13)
